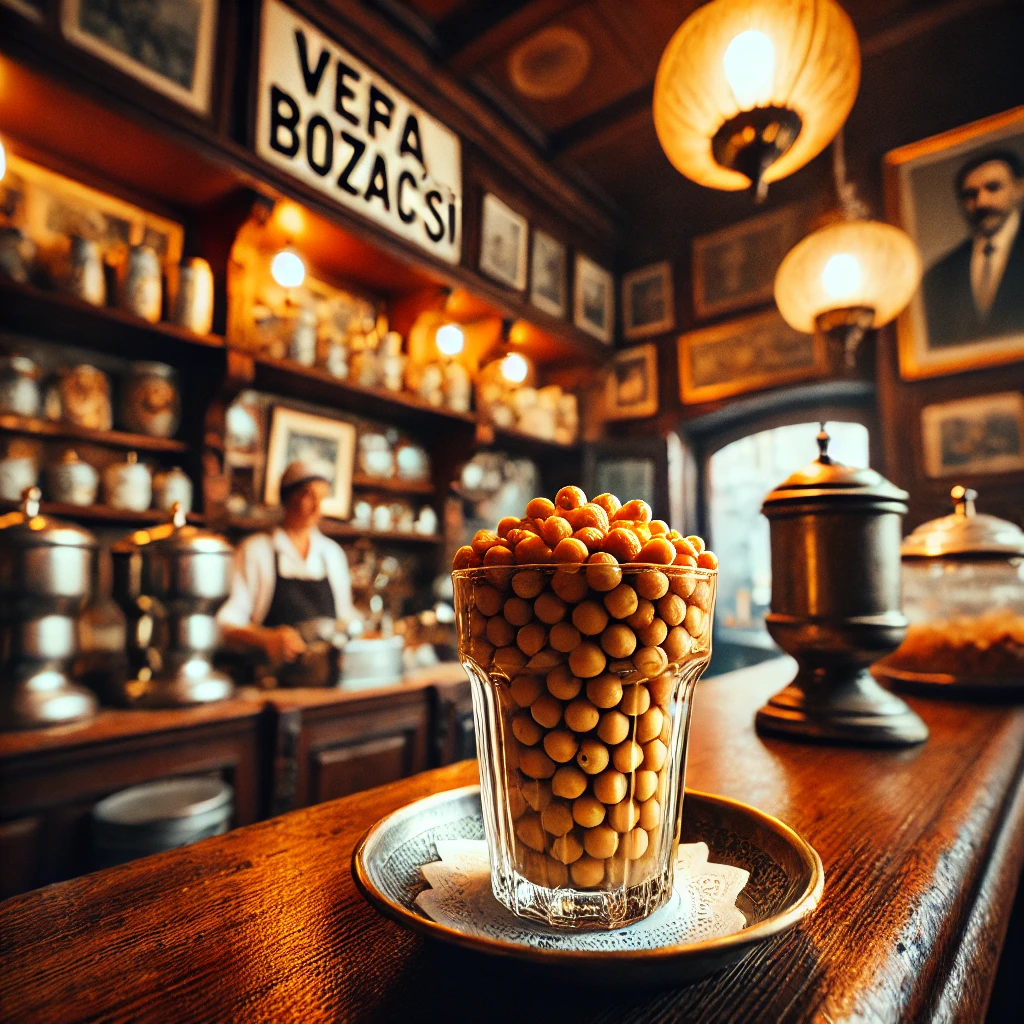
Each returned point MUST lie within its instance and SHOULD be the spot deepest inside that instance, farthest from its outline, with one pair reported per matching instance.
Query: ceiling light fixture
(747, 93)
(287, 268)
(849, 276)
(450, 339)
(514, 368)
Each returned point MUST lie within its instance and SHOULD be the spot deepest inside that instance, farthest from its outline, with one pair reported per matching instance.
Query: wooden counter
(922, 851)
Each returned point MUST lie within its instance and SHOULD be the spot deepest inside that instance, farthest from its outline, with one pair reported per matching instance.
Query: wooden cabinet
(453, 737)
(51, 779)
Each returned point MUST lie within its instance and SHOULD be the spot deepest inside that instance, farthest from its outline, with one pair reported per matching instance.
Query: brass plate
(786, 880)
(946, 684)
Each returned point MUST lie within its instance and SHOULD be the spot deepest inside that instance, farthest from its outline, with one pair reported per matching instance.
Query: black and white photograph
(734, 268)
(974, 435)
(632, 387)
(594, 299)
(647, 301)
(959, 196)
(503, 239)
(166, 44)
(327, 443)
(547, 274)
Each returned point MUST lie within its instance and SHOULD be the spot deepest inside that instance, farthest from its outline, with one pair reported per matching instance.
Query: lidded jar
(963, 594)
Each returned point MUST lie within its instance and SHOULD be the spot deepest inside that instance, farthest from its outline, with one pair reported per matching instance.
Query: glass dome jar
(582, 678)
(963, 595)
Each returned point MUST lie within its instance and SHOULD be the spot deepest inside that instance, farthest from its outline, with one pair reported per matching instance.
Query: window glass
(740, 475)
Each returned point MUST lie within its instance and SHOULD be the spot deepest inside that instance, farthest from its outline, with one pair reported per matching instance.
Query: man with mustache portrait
(977, 290)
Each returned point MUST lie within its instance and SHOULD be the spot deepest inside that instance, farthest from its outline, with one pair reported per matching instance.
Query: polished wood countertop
(922, 850)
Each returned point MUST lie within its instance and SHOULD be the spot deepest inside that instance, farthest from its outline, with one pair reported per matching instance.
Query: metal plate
(786, 880)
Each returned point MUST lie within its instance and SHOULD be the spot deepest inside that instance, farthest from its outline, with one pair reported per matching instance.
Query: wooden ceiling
(601, 131)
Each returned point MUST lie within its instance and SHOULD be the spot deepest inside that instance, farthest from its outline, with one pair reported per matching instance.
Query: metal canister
(170, 581)
(45, 579)
(835, 537)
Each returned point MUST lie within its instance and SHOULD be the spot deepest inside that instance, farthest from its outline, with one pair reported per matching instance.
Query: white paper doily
(703, 904)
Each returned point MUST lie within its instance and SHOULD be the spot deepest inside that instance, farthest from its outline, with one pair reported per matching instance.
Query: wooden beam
(603, 126)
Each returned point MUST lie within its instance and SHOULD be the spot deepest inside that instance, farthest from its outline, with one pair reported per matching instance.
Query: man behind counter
(289, 577)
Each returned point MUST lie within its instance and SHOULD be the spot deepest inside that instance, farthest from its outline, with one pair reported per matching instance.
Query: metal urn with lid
(45, 579)
(835, 537)
(963, 592)
(170, 581)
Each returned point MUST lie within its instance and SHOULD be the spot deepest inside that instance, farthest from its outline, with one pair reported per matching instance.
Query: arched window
(739, 477)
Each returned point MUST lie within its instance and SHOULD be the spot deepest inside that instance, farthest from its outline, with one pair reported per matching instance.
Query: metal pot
(835, 535)
(170, 581)
(45, 580)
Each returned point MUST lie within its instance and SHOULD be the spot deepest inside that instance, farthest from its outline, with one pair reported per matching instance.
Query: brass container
(835, 535)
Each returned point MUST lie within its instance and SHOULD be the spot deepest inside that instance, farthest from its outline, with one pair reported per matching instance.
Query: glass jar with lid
(963, 594)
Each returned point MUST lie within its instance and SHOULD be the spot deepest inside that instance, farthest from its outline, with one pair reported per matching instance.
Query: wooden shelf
(519, 443)
(335, 528)
(283, 377)
(394, 484)
(33, 427)
(103, 513)
(56, 317)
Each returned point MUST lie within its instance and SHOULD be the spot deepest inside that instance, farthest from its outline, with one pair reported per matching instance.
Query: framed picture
(503, 238)
(647, 305)
(328, 443)
(166, 46)
(748, 354)
(594, 299)
(959, 195)
(547, 274)
(974, 435)
(735, 268)
(32, 9)
(632, 387)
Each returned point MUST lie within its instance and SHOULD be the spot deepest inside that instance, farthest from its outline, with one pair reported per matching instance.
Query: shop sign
(334, 123)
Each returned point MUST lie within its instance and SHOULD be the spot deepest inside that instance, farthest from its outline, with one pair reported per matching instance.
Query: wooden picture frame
(594, 299)
(186, 45)
(294, 435)
(941, 331)
(648, 306)
(34, 10)
(735, 268)
(547, 274)
(748, 354)
(974, 436)
(631, 390)
(504, 235)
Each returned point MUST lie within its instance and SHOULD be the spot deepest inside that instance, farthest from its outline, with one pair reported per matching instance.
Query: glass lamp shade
(731, 58)
(852, 264)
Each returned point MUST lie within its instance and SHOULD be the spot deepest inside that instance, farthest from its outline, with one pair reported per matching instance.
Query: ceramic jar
(336, 363)
(194, 307)
(302, 348)
(19, 387)
(17, 254)
(392, 363)
(72, 481)
(150, 403)
(84, 394)
(17, 473)
(141, 289)
(172, 487)
(457, 387)
(128, 484)
(84, 277)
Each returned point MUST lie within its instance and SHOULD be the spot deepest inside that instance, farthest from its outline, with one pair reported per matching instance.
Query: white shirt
(985, 285)
(255, 575)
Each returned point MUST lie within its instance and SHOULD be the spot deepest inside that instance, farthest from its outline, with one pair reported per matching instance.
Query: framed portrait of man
(960, 196)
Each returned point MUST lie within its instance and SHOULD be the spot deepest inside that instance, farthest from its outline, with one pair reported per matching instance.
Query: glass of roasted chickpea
(583, 626)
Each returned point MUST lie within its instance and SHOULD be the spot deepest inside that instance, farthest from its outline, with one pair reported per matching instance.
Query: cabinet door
(19, 856)
(361, 765)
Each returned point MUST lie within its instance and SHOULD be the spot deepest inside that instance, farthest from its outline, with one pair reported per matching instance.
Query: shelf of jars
(30, 426)
(518, 442)
(103, 513)
(338, 529)
(394, 484)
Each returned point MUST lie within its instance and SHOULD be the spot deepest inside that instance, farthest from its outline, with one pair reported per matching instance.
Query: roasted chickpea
(612, 729)
(549, 608)
(509, 661)
(622, 601)
(637, 510)
(650, 661)
(566, 849)
(661, 688)
(525, 729)
(589, 618)
(608, 502)
(659, 528)
(605, 691)
(481, 651)
(540, 508)
(643, 616)
(482, 540)
(587, 660)
(592, 537)
(655, 753)
(587, 872)
(581, 716)
(645, 785)
(499, 555)
(517, 804)
(657, 551)
(488, 599)
(500, 631)
(654, 634)
(533, 551)
(535, 763)
(648, 725)
(603, 572)
(569, 782)
(536, 792)
(636, 699)
(531, 638)
(562, 683)
(560, 745)
(651, 585)
(531, 832)
(617, 641)
(694, 621)
(528, 583)
(517, 611)
(677, 644)
(707, 560)
(546, 710)
(555, 529)
(557, 818)
(592, 757)
(570, 585)
(466, 558)
(623, 543)
(601, 842)
(588, 811)
(570, 497)
(592, 515)
(697, 543)
(650, 814)
(672, 609)
(505, 524)
(571, 550)
(623, 816)
(626, 757)
(610, 786)
(684, 586)
(634, 844)
(701, 596)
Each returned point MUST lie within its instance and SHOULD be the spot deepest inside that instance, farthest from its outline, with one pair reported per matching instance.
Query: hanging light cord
(853, 207)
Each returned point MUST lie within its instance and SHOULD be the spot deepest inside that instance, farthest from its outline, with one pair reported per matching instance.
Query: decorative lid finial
(178, 516)
(823, 440)
(963, 500)
(30, 498)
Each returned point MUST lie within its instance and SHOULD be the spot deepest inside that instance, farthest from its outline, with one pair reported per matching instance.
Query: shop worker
(291, 578)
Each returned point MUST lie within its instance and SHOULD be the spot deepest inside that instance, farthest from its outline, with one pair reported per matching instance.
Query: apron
(296, 601)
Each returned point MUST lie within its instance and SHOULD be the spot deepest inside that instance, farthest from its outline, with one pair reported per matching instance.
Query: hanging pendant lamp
(849, 276)
(748, 91)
